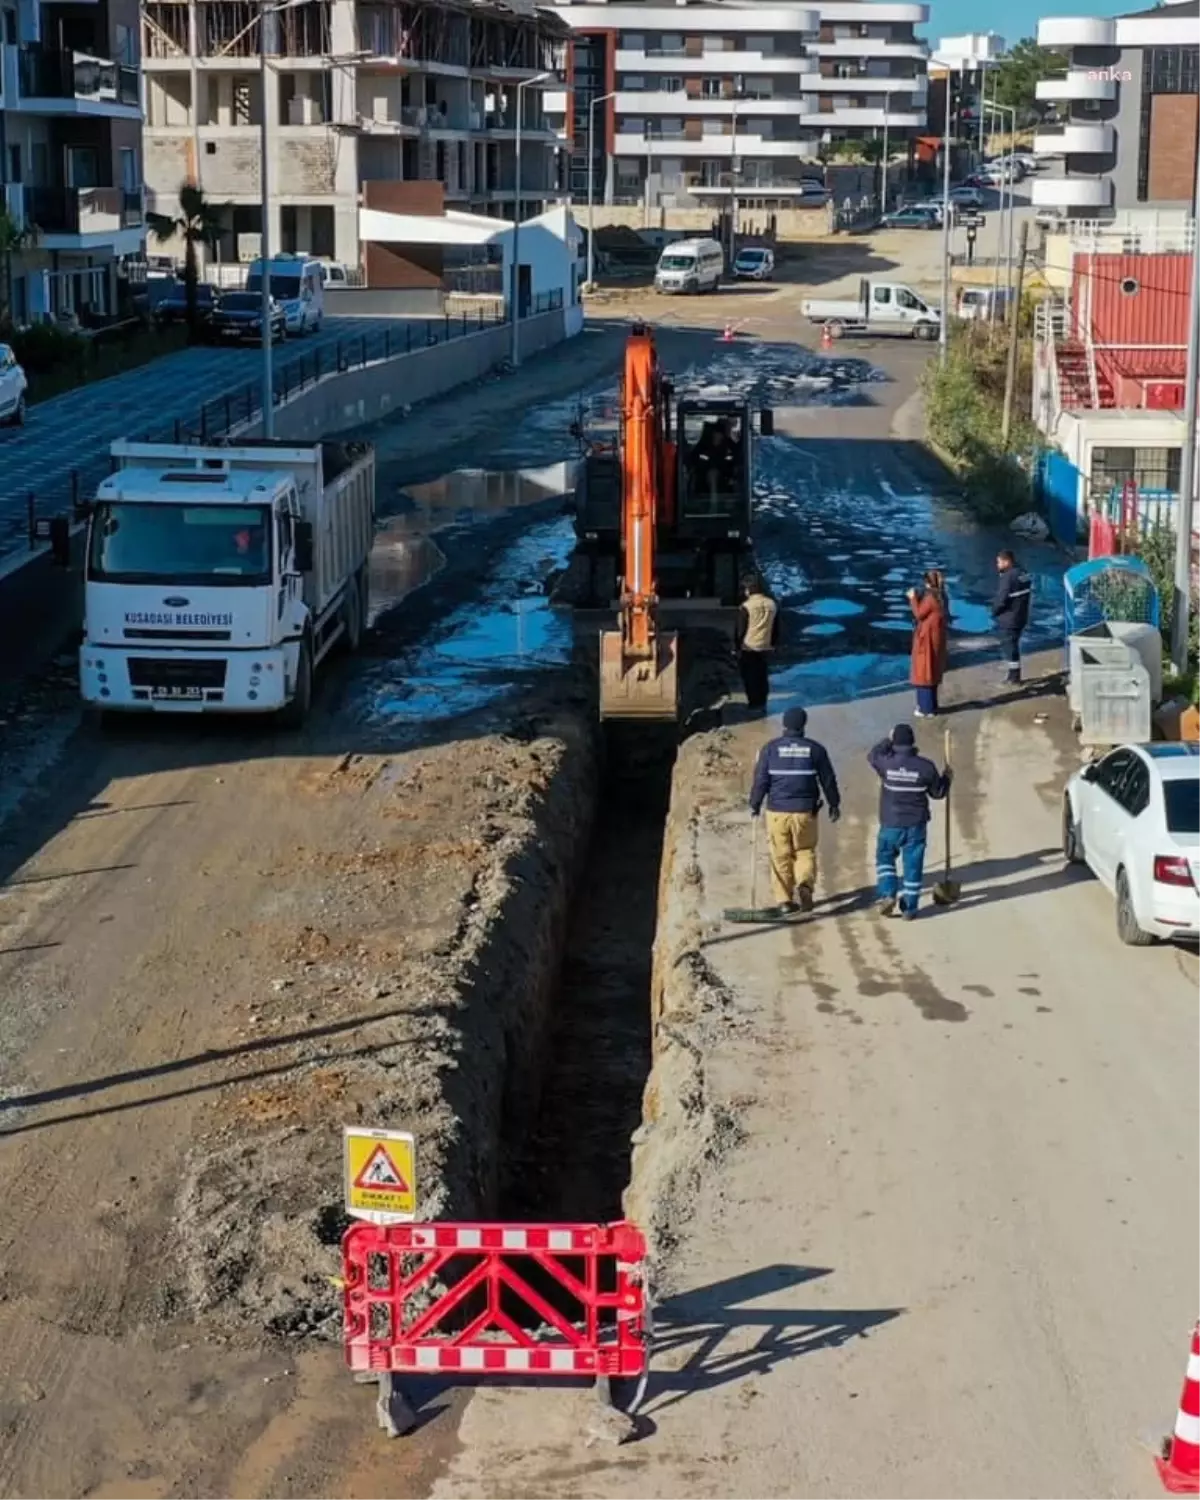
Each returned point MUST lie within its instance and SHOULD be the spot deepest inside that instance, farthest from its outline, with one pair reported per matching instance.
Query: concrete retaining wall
(790, 223)
(341, 402)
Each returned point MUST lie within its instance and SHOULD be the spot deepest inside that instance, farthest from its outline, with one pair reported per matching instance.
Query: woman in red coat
(931, 611)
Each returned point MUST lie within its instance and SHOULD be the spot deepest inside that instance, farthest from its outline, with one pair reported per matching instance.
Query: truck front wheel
(293, 714)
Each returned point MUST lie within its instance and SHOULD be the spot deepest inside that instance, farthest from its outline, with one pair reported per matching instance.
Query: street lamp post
(1187, 460)
(264, 247)
(883, 183)
(591, 255)
(733, 171)
(1005, 237)
(944, 322)
(514, 310)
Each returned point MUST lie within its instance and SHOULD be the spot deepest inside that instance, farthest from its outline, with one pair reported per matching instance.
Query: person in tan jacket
(757, 637)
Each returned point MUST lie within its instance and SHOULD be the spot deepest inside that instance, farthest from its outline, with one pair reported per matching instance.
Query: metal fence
(28, 516)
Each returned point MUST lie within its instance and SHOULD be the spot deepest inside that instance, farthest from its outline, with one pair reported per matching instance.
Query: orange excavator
(639, 662)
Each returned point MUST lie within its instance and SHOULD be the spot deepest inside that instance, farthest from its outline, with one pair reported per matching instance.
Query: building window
(1149, 468)
(711, 88)
(671, 86)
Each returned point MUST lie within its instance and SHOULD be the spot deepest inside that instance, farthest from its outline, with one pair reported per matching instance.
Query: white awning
(452, 228)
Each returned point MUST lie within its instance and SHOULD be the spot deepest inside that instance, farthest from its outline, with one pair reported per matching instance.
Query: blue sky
(1013, 19)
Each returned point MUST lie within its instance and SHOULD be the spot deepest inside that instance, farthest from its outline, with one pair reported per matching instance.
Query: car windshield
(677, 262)
(180, 544)
(1182, 800)
(242, 301)
(752, 257)
(286, 288)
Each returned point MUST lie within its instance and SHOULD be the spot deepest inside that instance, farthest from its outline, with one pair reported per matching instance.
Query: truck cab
(217, 580)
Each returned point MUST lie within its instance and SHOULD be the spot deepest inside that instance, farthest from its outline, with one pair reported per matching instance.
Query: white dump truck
(880, 307)
(217, 579)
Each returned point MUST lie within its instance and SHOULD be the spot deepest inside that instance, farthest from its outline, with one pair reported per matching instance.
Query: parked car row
(297, 301)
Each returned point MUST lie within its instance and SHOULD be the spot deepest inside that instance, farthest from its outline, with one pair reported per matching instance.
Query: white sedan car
(1134, 819)
(12, 388)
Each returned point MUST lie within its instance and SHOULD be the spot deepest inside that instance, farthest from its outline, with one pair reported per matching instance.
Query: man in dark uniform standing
(1010, 610)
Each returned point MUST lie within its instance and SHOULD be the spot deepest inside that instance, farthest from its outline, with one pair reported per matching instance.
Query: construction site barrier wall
(359, 397)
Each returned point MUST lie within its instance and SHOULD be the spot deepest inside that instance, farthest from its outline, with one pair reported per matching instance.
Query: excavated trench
(569, 1160)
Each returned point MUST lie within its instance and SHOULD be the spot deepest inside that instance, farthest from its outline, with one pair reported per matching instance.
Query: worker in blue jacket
(792, 775)
(909, 781)
(1010, 610)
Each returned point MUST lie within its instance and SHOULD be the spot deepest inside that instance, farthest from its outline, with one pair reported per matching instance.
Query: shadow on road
(723, 1341)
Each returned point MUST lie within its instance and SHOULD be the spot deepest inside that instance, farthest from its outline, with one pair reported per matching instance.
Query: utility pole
(944, 323)
(1187, 464)
(1014, 336)
(591, 255)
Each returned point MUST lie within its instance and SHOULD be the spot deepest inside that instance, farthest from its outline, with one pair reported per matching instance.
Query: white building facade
(679, 104)
(414, 91)
(1126, 111)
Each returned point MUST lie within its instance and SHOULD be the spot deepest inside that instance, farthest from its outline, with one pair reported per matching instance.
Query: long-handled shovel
(947, 891)
(753, 912)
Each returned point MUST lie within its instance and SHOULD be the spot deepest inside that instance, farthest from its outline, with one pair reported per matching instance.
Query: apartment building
(693, 100)
(1127, 119)
(70, 155)
(356, 91)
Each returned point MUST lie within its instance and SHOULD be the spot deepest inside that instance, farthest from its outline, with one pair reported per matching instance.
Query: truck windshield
(677, 263)
(218, 545)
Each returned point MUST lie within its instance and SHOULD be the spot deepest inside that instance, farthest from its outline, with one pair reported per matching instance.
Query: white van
(298, 285)
(690, 266)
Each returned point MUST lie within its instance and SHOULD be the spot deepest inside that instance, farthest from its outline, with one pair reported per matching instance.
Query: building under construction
(356, 92)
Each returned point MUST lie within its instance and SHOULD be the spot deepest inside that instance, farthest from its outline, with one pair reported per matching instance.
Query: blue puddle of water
(834, 608)
(483, 649)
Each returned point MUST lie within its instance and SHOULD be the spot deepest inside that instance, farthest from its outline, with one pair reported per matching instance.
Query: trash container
(1114, 702)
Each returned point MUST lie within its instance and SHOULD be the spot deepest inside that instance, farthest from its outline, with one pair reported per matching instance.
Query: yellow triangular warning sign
(380, 1174)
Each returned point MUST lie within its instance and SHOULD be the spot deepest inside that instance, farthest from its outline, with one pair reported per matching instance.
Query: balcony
(645, 102)
(66, 216)
(652, 60)
(1077, 31)
(1092, 137)
(1080, 83)
(1071, 192)
(868, 46)
(51, 82)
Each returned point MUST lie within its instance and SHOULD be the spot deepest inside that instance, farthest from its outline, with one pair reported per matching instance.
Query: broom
(947, 891)
(753, 912)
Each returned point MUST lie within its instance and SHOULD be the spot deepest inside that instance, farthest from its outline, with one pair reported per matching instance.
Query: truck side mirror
(766, 422)
(304, 547)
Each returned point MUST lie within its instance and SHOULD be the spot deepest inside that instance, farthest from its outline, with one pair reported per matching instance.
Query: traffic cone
(826, 337)
(727, 336)
(1179, 1466)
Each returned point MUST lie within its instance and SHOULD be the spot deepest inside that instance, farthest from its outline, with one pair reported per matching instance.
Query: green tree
(14, 238)
(1015, 79)
(197, 224)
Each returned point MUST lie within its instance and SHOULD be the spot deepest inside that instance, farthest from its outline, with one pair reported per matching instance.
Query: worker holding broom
(791, 776)
(909, 780)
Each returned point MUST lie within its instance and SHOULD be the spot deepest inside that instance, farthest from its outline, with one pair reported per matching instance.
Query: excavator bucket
(638, 689)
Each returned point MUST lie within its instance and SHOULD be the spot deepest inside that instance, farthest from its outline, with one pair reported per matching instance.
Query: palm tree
(14, 238)
(197, 223)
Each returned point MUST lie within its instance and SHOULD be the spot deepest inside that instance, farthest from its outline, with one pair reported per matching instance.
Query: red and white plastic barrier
(487, 1315)
(1179, 1466)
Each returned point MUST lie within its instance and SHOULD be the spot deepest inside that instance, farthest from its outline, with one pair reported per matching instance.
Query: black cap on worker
(903, 735)
(794, 720)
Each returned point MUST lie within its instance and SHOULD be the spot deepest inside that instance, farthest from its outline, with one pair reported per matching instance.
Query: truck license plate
(172, 693)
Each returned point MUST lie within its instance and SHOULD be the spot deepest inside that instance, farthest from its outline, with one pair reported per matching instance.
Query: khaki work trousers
(792, 842)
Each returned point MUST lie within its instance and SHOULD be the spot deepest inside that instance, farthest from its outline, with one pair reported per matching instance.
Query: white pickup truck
(217, 579)
(880, 307)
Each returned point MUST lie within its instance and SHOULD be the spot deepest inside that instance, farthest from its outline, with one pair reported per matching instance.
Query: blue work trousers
(908, 846)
